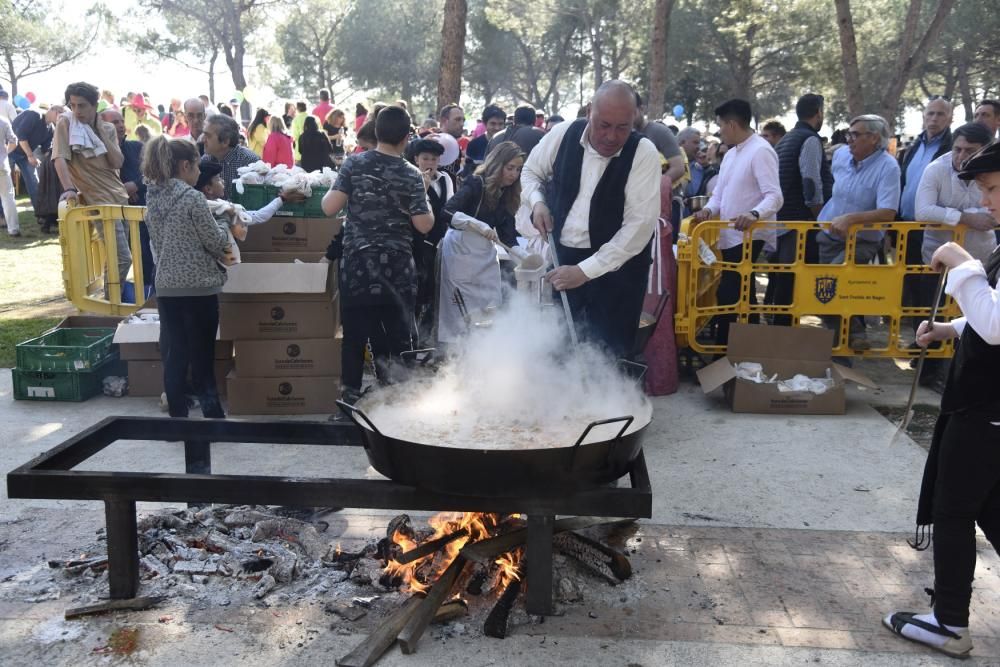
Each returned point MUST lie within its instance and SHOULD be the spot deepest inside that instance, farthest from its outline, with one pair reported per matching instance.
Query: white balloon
(451, 150)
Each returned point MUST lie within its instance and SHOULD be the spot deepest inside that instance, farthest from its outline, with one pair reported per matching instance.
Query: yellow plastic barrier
(873, 290)
(85, 254)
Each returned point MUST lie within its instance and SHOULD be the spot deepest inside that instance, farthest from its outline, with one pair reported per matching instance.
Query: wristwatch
(755, 214)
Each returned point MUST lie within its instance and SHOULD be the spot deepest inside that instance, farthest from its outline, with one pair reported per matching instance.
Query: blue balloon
(678, 110)
(21, 102)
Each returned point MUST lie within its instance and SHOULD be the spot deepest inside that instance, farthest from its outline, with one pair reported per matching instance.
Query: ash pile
(462, 573)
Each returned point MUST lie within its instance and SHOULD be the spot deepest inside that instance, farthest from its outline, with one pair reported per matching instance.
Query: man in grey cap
(961, 482)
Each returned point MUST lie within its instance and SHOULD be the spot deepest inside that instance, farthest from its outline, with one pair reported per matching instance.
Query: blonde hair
(334, 113)
(162, 157)
(491, 171)
(276, 124)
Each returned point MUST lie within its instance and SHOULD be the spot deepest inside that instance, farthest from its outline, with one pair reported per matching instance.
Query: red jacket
(278, 150)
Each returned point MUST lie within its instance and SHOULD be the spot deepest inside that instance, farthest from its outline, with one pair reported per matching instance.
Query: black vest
(790, 175)
(607, 205)
(437, 202)
(972, 378)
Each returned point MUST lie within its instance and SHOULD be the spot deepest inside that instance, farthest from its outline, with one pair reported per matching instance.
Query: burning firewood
(415, 627)
(427, 548)
(451, 610)
(496, 622)
(372, 648)
(485, 551)
(598, 558)
(480, 575)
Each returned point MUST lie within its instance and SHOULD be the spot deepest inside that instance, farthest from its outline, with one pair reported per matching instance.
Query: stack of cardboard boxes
(280, 308)
(138, 341)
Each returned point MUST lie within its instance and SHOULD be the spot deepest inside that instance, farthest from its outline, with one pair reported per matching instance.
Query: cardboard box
(288, 282)
(282, 395)
(280, 301)
(145, 377)
(786, 351)
(141, 341)
(89, 322)
(307, 257)
(280, 234)
(298, 357)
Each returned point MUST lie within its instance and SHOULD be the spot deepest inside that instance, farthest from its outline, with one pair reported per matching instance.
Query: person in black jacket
(425, 154)
(481, 212)
(314, 147)
(961, 482)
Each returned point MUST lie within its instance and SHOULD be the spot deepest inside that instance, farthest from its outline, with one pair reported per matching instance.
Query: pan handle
(353, 413)
(628, 419)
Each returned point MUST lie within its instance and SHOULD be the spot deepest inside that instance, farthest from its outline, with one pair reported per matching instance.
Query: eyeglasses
(853, 136)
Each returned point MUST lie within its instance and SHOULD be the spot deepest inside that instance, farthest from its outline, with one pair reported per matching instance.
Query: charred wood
(596, 557)
(496, 623)
(427, 548)
(372, 648)
(415, 627)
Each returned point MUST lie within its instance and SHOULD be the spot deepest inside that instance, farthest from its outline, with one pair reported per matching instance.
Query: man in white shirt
(8, 207)
(747, 190)
(601, 208)
(944, 198)
(7, 110)
(961, 481)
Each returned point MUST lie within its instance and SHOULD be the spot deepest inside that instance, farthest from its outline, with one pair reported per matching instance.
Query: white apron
(468, 263)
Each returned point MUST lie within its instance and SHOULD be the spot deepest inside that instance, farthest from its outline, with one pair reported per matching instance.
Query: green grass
(14, 331)
(31, 273)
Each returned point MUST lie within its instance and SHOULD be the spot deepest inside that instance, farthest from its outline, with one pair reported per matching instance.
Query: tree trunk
(963, 85)
(657, 98)
(211, 75)
(597, 54)
(911, 57)
(849, 58)
(449, 89)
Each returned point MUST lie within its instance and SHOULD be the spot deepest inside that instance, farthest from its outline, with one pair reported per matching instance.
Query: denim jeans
(28, 174)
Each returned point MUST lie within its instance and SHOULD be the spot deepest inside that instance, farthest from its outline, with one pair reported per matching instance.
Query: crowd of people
(427, 205)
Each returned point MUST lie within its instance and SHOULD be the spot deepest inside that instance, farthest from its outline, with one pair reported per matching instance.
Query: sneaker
(15, 234)
(859, 344)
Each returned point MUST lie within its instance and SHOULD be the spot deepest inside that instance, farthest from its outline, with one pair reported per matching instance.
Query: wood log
(480, 574)
(596, 557)
(427, 548)
(484, 551)
(496, 623)
(132, 604)
(371, 649)
(410, 635)
(451, 610)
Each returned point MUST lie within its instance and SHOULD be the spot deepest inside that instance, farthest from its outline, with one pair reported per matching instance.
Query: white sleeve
(764, 166)
(979, 302)
(266, 213)
(642, 208)
(538, 169)
(926, 207)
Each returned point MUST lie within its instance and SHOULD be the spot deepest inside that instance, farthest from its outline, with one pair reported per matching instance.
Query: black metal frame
(51, 476)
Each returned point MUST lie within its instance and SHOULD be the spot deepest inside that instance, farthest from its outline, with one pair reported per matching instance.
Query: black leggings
(189, 325)
(730, 286)
(388, 330)
(966, 492)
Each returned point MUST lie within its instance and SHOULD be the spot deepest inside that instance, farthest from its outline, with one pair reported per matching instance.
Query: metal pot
(502, 472)
(697, 203)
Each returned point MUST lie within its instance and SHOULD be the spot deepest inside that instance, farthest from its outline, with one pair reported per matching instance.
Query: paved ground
(774, 541)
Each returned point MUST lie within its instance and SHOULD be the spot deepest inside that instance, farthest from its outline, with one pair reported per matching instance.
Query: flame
(509, 563)
(477, 525)
(339, 550)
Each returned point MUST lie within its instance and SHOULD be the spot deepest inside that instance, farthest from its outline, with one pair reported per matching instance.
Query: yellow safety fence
(88, 241)
(871, 290)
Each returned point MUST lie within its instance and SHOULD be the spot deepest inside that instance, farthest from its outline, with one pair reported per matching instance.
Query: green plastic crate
(258, 196)
(62, 385)
(72, 349)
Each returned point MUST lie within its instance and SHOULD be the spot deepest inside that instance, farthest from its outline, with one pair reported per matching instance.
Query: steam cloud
(517, 383)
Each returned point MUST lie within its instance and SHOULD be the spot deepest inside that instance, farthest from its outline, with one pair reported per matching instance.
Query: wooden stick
(602, 560)
(415, 627)
(485, 551)
(496, 622)
(427, 548)
(131, 604)
(372, 648)
(451, 610)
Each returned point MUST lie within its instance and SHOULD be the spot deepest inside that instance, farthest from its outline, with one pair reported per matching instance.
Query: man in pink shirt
(324, 107)
(747, 190)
